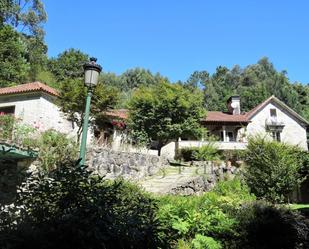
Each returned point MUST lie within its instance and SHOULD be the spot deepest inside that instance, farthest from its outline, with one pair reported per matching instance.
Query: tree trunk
(79, 133)
(159, 151)
(160, 145)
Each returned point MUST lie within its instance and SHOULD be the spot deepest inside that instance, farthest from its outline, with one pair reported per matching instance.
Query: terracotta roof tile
(211, 116)
(29, 87)
(120, 113)
(225, 117)
(219, 117)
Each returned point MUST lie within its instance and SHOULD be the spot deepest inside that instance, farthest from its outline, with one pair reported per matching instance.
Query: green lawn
(298, 206)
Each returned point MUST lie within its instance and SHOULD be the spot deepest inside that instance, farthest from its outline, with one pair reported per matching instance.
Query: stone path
(169, 178)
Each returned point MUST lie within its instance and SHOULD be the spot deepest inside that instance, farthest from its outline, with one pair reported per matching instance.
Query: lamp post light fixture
(91, 71)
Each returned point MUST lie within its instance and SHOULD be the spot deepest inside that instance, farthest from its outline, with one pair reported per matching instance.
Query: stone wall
(128, 165)
(207, 174)
(12, 174)
(39, 110)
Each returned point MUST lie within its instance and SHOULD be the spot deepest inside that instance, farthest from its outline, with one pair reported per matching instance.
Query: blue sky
(177, 37)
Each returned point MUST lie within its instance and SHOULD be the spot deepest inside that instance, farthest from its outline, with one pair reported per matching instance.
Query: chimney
(233, 105)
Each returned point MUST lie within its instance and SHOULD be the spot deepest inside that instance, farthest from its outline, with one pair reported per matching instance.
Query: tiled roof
(225, 117)
(120, 113)
(29, 87)
(211, 116)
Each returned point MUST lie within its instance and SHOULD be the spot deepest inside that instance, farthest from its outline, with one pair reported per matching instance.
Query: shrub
(232, 155)
(55, 148)
(73, 209)
(303, 158)
(273, 169)
(211, 214)
(208, 152)
(6, 126)
(264, 226)
(204, 242)
(187, 154)
(25, 135)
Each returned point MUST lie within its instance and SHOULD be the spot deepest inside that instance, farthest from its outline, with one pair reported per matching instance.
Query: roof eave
(283, 105)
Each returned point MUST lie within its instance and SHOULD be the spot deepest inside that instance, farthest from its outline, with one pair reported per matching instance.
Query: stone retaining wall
(131, 166)
(12, 173)
(207, 175)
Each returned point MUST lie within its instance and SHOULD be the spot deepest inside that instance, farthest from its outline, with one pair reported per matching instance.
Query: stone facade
(38, 110)
(128, 165)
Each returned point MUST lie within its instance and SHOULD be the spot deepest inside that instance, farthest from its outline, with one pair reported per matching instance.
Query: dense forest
(23, 58)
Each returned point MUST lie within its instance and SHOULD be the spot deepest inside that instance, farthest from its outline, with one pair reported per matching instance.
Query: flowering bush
(6, 126)
(120, 125)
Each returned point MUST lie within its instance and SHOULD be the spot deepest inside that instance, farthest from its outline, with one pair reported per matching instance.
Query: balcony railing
(274, 124)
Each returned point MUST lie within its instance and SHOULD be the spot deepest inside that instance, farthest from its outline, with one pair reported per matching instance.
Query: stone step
(171, 178)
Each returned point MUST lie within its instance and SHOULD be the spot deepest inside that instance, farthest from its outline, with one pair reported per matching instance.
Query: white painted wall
(293, 132)
(168, 150)
(39, 110)
(51, 117)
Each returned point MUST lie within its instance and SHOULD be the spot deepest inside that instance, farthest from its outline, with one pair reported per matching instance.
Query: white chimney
(233, 105)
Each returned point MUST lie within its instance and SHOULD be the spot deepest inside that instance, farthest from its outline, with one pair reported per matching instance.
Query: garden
(69, 207)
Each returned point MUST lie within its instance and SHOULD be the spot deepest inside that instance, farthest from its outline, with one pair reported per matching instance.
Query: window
(230, 136)
(7, 110)
(273, 113)
(276, 136)
(221, 136)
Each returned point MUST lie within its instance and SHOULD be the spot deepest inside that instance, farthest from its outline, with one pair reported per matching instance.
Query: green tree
(302, 99)
(67, 69)
(68, 64)
(36, 55)
(137, 77)
(115, 81)
(72, 101)
(27, 16)
(166, 112)
(254, 84)
(131, 80)
(48, 78)
(13, 62)
(197, 79)
(273, 169)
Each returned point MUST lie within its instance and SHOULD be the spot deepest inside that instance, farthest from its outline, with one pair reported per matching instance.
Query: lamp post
(91, 71)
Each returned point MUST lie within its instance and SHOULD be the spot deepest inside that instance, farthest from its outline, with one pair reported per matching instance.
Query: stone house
(271, 118)
(35, 104)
